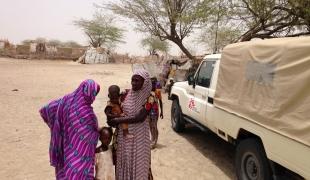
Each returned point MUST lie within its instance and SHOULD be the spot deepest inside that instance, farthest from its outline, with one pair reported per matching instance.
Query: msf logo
(191, 104)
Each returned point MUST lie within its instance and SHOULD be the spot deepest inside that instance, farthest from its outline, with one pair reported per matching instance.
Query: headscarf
(73, 107)
(135, 100)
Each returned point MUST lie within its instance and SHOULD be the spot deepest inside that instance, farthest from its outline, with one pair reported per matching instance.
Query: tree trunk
(183, 48)
(178, 41)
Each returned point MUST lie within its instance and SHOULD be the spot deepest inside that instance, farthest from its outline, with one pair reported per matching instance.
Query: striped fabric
(74, 132)
(134, 152)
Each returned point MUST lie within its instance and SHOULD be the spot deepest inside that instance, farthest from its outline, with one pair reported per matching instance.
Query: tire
(251, 161)
(177, 121)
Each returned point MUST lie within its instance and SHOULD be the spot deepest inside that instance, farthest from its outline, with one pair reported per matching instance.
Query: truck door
(202, 84)
(190, 92)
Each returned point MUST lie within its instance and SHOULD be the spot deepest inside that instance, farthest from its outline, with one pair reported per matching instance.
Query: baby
(113, 108)
(104, 163)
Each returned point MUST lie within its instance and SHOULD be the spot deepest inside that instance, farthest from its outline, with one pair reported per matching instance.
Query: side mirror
(190, 80)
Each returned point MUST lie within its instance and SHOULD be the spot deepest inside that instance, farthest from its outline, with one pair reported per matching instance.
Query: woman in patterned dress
(74, 132)
(134, 151)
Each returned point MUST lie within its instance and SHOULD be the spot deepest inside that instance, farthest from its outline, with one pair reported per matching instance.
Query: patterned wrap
(134, 152)
(74, 132)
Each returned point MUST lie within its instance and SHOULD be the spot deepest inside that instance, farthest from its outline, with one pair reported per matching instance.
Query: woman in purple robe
(74, 132)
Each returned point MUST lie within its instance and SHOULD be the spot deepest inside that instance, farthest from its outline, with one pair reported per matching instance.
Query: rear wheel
(251, 161)
(177, 121)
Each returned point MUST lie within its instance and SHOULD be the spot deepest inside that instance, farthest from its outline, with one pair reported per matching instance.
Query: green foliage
(219, 29)
(154, 44)
(100, 30)
(272, 18)
(241, 20)
(217, 39)
(221, 21)
(165, 19)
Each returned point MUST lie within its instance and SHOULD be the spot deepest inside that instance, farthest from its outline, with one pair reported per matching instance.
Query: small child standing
(104, 164)
(154, 102)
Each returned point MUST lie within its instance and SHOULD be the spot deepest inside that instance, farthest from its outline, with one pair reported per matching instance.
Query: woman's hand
(137, 118)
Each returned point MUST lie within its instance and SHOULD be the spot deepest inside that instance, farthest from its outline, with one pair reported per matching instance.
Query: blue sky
(52, 19)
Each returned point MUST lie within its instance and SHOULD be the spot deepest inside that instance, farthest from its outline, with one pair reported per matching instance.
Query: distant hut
(94, 56)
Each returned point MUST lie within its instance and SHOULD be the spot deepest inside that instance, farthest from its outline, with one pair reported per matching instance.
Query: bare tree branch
(166, 19)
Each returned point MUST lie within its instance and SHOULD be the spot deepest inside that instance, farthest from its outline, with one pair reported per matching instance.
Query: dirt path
(24, 138)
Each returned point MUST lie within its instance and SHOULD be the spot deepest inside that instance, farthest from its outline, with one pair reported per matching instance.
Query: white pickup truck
(255, 95)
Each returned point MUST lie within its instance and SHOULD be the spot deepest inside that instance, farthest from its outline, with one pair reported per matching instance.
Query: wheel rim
(250, 166)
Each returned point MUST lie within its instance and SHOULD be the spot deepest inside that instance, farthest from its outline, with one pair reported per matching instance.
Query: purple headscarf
(74, 132)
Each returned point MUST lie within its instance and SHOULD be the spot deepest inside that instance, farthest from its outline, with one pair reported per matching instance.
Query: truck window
(204, 75)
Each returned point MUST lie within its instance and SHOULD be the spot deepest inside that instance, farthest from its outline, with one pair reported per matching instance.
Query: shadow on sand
(160, 146)
(212, 147)
(221, 153)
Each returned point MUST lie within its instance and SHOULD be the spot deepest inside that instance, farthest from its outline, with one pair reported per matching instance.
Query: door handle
(210, 100)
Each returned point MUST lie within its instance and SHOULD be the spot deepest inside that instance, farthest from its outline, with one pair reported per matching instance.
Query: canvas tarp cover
(268, 82)
(95, 56)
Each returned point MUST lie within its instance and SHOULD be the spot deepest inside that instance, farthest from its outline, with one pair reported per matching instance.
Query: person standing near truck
(152, 105)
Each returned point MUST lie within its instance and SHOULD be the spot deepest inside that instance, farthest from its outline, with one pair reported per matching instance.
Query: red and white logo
(191, 104)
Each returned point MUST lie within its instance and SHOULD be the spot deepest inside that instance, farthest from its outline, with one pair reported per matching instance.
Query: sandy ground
(24, 138)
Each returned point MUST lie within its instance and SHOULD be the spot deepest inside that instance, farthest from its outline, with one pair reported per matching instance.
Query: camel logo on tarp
(192, 105)
(263, 73)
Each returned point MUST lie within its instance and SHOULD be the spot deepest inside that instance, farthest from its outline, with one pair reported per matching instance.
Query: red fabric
(148, 106)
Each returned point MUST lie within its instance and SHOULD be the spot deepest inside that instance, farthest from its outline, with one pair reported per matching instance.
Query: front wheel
(177, 121)
(251, 161)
